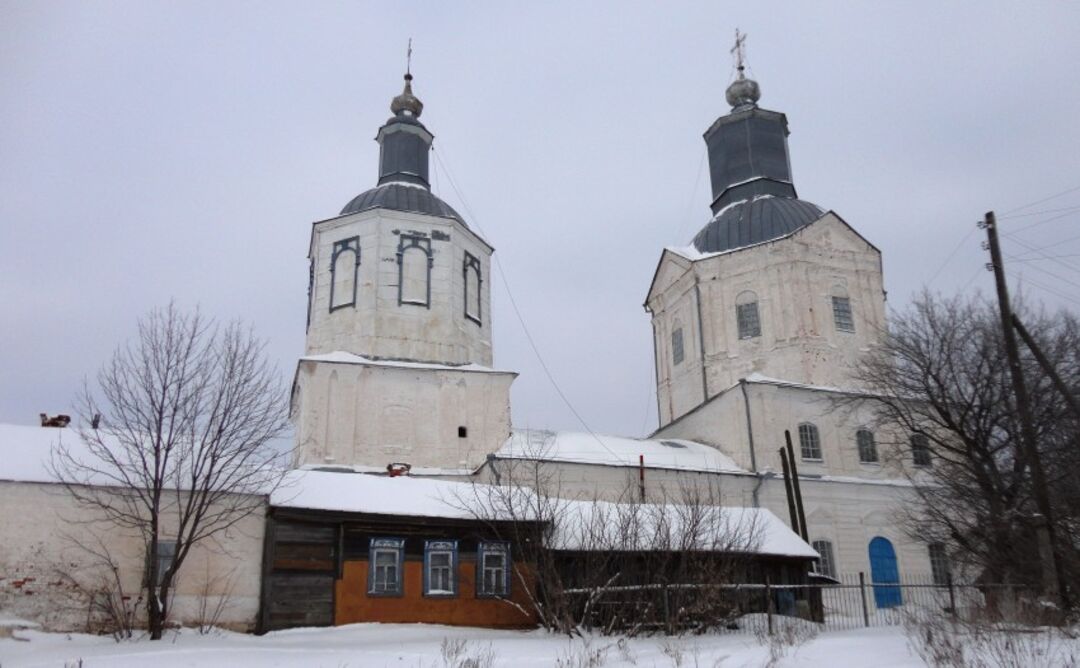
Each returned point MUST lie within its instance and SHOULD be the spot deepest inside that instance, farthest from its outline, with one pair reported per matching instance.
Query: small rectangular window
(809, 443)
(493, 569)
(841, 310)
(939, 563)
(166, 552)
(462, 432)
(385, 566)
(864, 438)
(827, 563)
(677, 346)
(749, 322)
(920, 450)
(440, 568)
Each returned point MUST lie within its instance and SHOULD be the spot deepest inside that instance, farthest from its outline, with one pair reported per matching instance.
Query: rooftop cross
(408, 58)
(739, 50)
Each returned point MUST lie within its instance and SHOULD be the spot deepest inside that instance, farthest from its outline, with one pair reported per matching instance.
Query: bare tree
(183, 451)
(941, 378)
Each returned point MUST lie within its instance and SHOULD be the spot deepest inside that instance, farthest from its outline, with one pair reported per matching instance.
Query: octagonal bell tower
(398, 351)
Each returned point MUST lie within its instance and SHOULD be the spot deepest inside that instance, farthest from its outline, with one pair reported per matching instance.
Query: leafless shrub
(110, 608)
(582, 652)
(455, 653)
(214, 599)
(787, 636)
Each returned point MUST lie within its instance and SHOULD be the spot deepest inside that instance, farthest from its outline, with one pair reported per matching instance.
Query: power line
(1045, 199)
(693, 194)
(1046, 271)
(517, 311)
(1039, 251)
(950, 256)
(1039, 213)
(1045, 288)
(1048, 220)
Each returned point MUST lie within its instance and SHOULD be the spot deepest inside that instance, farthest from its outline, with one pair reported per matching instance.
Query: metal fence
(854, 601)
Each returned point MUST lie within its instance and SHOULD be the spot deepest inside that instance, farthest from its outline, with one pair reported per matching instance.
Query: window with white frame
(493, 569)
(939, 563)
(746, 316)
(385, 558)
(677, 351)
(809, 442)
(827, 562)
(440, 568)
(842, 318)
(864, 439)
(920, 450)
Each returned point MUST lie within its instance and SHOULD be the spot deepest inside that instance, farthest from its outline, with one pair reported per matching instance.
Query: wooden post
(952, 594)
(790, 492)
(769, 604)
(1054, 584)
(641, 476)
(1046, 365)
(798, 489)
(862, 592)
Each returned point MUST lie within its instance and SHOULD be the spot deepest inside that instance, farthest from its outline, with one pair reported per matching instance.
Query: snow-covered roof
(766, 380)
(587, 448)
(26, 451)
(341, 357)
(575, 521)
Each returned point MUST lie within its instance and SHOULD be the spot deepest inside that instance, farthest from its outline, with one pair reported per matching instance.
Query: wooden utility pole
(1046, 365)
(1053, 584)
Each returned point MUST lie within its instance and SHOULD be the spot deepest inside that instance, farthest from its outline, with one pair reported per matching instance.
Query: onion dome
(743, 92)
(407, 103)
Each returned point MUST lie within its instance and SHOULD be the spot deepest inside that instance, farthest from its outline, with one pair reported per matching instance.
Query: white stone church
(756, 325)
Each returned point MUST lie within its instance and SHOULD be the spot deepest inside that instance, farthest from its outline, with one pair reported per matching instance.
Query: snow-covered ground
(421, 646)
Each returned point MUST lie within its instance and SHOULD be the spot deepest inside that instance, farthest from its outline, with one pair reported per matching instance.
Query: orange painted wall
(352, 604)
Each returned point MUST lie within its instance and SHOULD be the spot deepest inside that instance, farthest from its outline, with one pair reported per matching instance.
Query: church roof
(751, 221)
(402, 197)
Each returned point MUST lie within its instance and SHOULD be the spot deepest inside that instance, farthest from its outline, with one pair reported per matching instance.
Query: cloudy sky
(157, 150)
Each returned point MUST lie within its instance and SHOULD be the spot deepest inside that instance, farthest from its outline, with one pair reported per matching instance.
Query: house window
(864, 438)
(677, 346)
(827, 563)
(809, 443)
(493, 569)
(166, 552)
(414, 260)
(473, 281)
(920, 450)
(939, 563)
(746, 315)
(385, 566)
(440, 568)
(344, 265)
(841, 311)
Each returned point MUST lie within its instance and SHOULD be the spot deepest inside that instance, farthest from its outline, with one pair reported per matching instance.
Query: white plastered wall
(373, 415)
(377, 325)
(40, 559)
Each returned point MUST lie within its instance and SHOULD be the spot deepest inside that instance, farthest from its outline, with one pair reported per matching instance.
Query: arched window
(841, 309)
(920, 450)
(827, 563)
(746, 315)
(864, 439)
(414, 270)
(809, 442)
(344, 264)
(473, 281)
(884, 571)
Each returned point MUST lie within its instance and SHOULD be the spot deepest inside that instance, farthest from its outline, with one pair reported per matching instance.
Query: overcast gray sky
(151, 150)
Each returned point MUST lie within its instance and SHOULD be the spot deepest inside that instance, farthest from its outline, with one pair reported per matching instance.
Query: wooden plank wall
(301, 567)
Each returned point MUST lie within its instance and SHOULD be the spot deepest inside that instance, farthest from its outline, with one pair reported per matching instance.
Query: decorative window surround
(386, 558)
(493, 570)
(410, 244)
(440, 568)
(473, 263)
(350, 245)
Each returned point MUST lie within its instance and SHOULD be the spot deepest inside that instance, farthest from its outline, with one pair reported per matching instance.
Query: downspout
(750, 440)
(656, 369)
(701, 342)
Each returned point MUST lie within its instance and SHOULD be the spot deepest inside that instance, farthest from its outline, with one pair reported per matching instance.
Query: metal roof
(399, 197)
(753, 221)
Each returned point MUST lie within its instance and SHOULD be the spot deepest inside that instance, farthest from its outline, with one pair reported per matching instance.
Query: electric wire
(517, 311)
(945, 262)
(1045, 199)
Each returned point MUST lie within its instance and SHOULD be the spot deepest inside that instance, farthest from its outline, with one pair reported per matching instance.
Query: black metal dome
(753, 221)
(399, 197)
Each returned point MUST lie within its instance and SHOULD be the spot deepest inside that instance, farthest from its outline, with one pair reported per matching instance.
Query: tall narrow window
(809, 443)
(864, 438)
(677, 346)
(440, 568)
(827, 563)
(344, 265)
(746, 315)
(841, 311)
(920, 450)
(939, 563)
(414, 270)
(493, 569)
(385, 558)
(473, 281)
(166, 552)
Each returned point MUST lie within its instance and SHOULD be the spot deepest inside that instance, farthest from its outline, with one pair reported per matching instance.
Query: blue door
(883, 571)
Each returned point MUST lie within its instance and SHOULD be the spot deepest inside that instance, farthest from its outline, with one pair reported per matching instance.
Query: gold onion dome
(407, 103)
(743, 92)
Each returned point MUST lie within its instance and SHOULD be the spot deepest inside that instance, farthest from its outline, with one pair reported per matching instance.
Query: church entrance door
(883, 571)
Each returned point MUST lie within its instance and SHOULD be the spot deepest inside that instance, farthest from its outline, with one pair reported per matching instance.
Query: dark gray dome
(400, 197)
(752, 221)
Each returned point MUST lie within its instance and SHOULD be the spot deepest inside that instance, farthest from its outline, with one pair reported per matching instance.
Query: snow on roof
(27, 451)
(586, 448)
(751, 530)
(341, 357)
(598, 525)
(759, 378)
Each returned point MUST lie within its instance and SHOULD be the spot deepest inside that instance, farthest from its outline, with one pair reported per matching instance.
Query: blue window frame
(440, 568)
(493, 569)
(385, 566)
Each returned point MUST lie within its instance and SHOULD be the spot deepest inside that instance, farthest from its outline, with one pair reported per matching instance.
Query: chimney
(58, 421)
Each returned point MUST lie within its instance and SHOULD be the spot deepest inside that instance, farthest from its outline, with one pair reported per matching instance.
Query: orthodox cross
(739, 50)
(408, 58)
